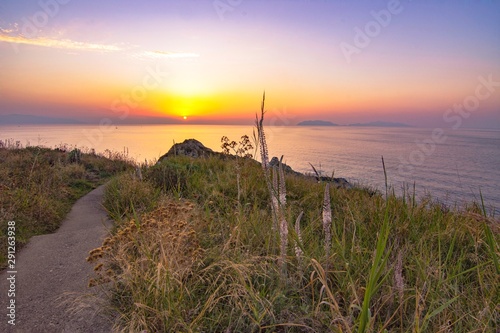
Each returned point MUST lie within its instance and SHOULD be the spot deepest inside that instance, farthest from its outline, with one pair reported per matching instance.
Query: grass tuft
(39, 185)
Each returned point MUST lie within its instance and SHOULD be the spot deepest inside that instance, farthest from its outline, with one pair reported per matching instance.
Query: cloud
(7, 31)
(58, 43)
(67, 44)
(162, 54)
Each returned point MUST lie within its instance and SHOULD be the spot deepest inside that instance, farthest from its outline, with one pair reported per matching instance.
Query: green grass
(189, 256)
(38, 186)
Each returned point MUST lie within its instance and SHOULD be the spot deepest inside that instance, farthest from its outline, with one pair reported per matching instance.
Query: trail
(52, 273)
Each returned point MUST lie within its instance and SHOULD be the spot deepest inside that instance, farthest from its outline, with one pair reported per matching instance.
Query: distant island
(316, 123)
(27, 119)
(370, 124)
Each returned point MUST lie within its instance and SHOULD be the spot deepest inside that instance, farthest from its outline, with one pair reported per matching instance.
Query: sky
(424, 63)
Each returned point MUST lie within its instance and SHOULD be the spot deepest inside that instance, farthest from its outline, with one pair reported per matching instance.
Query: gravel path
(52, 275)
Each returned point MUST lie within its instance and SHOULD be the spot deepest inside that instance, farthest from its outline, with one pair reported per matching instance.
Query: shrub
(126, 196)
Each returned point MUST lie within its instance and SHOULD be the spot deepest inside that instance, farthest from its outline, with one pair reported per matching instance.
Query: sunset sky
(210, 61)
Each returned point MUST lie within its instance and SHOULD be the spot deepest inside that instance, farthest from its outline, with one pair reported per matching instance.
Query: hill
(316, 123)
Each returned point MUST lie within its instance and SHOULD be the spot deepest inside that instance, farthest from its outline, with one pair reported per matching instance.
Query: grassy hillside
(38, 186)
(199, 247)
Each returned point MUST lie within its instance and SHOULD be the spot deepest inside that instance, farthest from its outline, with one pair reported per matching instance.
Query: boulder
(337, 182)
(191, 148)
(286, 168)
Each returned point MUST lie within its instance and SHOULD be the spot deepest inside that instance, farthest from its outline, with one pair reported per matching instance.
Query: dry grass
(434, 271)
(38, 186)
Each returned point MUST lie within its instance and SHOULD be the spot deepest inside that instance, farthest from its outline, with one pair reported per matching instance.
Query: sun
(185, 117)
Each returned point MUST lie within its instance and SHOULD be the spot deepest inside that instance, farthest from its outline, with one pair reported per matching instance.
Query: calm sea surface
(454, 166)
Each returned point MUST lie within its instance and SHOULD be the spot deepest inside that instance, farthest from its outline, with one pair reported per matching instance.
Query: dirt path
(52, 273)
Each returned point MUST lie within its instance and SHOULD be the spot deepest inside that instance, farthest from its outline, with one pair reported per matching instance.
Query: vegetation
(38, 186)
(229, 245)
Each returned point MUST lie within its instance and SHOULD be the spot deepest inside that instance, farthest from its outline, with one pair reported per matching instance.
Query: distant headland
(316, 123)
(369, 124)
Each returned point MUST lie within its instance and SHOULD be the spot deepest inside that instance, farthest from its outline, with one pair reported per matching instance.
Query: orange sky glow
(186, 59)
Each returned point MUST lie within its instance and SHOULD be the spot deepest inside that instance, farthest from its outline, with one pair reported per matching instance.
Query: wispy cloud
(6, 35)
(161, 54)
(8, 31)
(58, 43)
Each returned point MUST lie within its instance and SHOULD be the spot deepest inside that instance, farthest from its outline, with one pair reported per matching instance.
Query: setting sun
(185, 117)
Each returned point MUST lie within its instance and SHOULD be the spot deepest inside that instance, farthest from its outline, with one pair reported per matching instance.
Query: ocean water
(453, 166)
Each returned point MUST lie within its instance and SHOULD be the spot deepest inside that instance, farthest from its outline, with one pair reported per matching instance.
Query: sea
(453, 167)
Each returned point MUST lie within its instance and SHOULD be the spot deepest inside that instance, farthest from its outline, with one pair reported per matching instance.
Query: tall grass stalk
(298, 242)
(282, 214)
(378, 266)
(276, 187)
(490, 240)
(327, 221)
(376, 271)
(331, 300)
(271, 181)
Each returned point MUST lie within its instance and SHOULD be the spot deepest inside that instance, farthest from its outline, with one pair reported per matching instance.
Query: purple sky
(78, 59)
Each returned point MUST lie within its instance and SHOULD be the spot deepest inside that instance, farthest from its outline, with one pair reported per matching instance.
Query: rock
(191, 148)
(337, 182)
(194, 148)
(275, 162)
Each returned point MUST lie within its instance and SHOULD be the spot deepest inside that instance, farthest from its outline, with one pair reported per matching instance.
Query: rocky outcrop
(276, 161)
(338, 182)
(191, 148)
(194, 148)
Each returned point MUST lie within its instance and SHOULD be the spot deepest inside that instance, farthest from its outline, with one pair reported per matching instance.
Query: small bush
(125, 196)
